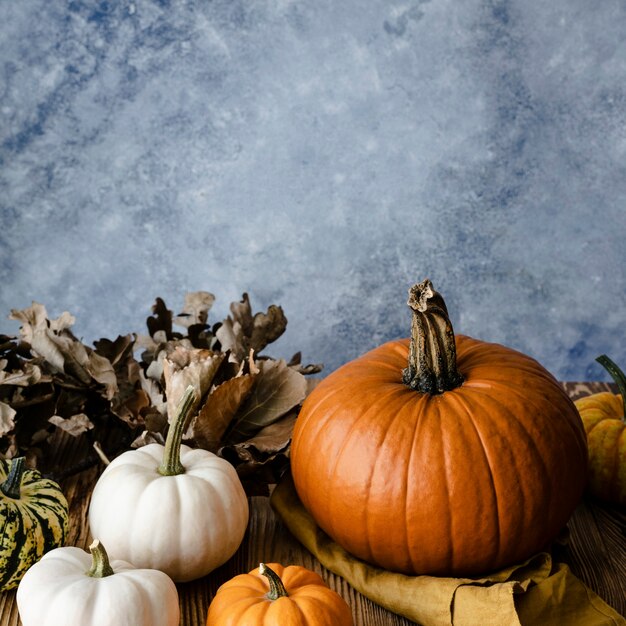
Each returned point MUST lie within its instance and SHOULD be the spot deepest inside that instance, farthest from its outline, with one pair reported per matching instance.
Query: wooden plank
(596, 552)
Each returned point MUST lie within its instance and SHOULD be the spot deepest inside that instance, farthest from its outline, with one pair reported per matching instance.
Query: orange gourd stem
(100, 566)
(432, 352)
(617, 375)
(11, 486)
(277, 589)
(171, 465)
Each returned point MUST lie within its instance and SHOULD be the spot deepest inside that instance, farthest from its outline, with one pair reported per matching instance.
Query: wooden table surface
(596, 552)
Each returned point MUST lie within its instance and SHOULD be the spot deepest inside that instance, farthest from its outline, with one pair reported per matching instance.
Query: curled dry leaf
(30, 374)
(219, 410)
(52, 340)
(184, 367)
(43, 335)
(242, 332)
(75, 425)
(306, 370)
(130, 398)
(7, 414)
(161, 320)
(273, 438)
(277, 389)
(196, 309)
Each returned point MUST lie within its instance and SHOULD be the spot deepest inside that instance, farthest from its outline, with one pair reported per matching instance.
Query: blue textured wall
(321, 155)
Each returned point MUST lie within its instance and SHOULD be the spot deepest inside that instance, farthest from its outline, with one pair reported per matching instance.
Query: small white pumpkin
(171, 508)
(69, 587)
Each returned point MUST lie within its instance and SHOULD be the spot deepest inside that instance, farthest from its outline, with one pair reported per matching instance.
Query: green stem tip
(617, 375)
(171, 465)
(100, 566)
(277, 589)
(11, 486)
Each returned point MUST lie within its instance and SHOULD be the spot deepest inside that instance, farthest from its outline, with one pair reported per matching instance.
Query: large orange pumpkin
(275, 595)
(471, 459)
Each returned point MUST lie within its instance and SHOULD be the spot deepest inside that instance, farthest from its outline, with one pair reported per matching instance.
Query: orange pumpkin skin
(243, 601)
(603, 417)
(457, 483)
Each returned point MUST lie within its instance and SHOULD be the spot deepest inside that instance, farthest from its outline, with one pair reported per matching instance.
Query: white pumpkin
(69, 587)
(179, 510)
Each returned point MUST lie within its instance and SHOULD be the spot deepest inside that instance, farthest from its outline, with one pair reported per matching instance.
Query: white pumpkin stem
(277, 589)
(432, 353)
(11, 486)
(617, 375)
(171, 465)
(100, 566)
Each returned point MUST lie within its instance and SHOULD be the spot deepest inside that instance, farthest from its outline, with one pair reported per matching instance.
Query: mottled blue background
(323, 156)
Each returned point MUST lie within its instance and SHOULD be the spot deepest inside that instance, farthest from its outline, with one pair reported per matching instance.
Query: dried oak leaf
(155, 358)
(147, 437)
(262, 460)
(219, 409)
(312, 368)
(184, 367)
(277, 390)
(161, 320)
(243, 332)
(7, 413)
(53, 340)
(75, 425)
(30, 374)
(196, 309)
(130, 398)
(273, 438)
(154, 393)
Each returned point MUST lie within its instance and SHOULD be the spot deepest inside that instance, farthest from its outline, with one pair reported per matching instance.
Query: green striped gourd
(33, 519)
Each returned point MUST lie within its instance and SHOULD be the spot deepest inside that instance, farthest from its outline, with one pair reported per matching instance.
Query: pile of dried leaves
(119, 394)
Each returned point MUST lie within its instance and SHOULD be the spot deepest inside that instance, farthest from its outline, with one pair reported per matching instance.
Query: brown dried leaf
(273, 438)
(219, 409)
(153, 390)
(129, 407)
(162, 351)
(101, 370)
(311, 368)
(184, 367)
(41, 334)
(6, 418)
(277, 389)
(243, 331)
(75, 425)
(130, 399)
(116, 351)
(30, 374)
(52, 340)
(196, 309)
(256, 470)
(155, 422)
(161, 320)
(147, 437)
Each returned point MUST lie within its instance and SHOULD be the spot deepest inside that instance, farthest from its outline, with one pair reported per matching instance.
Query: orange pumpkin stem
(432, 353)
(617, 375)
(277, 589)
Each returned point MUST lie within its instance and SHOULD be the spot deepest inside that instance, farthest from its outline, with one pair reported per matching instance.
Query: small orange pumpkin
(273, 595)
(604, 418)
(470, 459)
